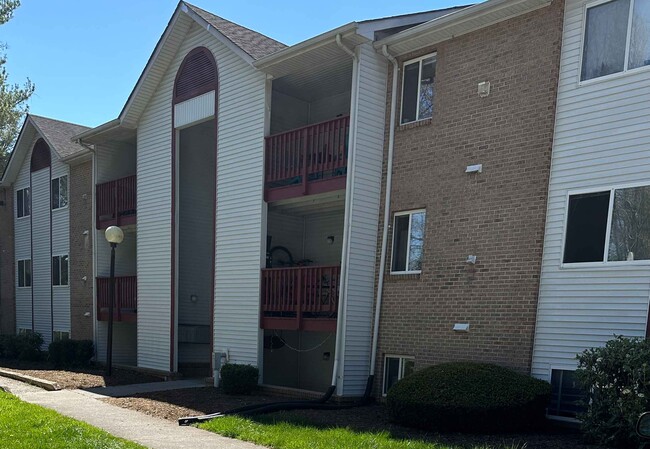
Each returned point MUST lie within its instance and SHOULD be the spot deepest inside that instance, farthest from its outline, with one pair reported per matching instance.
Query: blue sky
(85, 56)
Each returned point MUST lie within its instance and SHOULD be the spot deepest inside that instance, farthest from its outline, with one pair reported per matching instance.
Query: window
(60, 270)
(616, 38)
(417, 89)
(396, 368)
(624, 211)
(23, 203)
(566, 395)
(408, 240)
(60, 336)
(25, 273)
(59, 192)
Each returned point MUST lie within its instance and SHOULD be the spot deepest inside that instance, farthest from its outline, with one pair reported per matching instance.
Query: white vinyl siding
(239, 214)
(61, 246)
(194, 110)
(41, 262)
(364, 213)
(602, 138)
(22, 249)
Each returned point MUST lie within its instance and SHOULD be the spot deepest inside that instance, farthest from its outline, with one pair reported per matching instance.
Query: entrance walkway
(148, 431)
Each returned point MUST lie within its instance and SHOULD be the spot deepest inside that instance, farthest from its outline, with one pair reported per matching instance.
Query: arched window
(40, 156)
(196, 75)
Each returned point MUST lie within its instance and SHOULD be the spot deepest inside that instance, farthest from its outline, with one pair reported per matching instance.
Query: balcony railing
(125, 307)
(307, 160)
(116, 202)
(300, 298)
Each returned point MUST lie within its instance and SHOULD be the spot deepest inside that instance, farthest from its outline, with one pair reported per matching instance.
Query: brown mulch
(175, 404)
(77, 378)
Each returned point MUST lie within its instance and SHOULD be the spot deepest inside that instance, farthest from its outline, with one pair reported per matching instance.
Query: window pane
(391, 373)
(63, 191)
(416, 241)
(408, 366)
(21, 273)
(56, 273)
(640, 35)
(64, 270)
(426, 88)
(410, 92)
(28, 273)
(566, 394)
(400, 242)
(605, 37)
(586, 227)
(27, 198)
(55, 193)
(19, 204)
(630, 232)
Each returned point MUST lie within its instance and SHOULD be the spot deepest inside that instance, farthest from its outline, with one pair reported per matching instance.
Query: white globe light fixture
(114, 236)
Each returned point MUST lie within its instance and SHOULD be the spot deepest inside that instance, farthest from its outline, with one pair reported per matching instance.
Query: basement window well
(608, 226)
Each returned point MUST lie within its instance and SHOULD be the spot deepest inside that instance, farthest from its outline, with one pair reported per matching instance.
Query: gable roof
(58, 135)
(255, 44)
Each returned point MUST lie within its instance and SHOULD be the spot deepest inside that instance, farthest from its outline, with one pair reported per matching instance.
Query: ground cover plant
(27, 426)
(286, 431)
(616, 382)
(469, 397)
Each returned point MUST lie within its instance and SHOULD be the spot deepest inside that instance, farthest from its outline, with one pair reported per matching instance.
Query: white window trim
(605, 263)
(417, 108)
(400, 369)
(611, 76)
(550, 376)
(18, 274)
(16, 203)
(68, 189)
(408, 245)
(61, 285)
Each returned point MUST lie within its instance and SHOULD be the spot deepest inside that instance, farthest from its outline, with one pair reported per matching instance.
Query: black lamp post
(114, 236)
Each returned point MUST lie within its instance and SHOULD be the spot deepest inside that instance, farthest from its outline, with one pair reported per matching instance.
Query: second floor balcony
(308, 160)
(116, 202)
(125, 307)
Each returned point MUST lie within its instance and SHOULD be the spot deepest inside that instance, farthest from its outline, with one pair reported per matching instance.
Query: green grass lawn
(28, 426)
(289, 432)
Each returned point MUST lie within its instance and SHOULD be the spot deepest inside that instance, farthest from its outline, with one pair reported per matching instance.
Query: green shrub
(69, 353)
(25, 346)
(616, 381)
(469, 397)
(239, 379)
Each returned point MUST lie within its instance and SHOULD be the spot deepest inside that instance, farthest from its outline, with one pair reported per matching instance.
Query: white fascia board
(452, 23)
(104, 127)
(305, 46)
(13, 166)
(216, 33)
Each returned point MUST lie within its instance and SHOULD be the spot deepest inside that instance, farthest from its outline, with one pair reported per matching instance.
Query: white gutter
(387, 196)
(340, 322)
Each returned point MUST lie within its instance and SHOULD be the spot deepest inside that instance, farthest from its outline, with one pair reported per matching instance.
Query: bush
(469, 397)
(239, 379)
(22, 347)
(616, 381)
(69, 353)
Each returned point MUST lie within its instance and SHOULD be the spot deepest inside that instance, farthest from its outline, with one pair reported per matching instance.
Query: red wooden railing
(116, 202)
(300, 297)
(126, 298)
(316, 151)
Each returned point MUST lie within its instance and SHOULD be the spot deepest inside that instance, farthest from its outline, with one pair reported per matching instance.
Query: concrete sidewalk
(121, 391)
(128, 424)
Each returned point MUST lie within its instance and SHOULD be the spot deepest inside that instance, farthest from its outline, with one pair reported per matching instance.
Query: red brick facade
(81, 251)
(497, 215)
(7, 265)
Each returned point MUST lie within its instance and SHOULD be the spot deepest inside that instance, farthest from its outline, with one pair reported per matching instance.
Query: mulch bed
(175, 404)
(77, 378)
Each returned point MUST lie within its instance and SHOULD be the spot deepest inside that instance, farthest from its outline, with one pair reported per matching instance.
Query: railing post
(299, 300)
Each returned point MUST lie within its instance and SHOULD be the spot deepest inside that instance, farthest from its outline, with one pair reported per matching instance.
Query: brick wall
(7, 265)
(498, 215)
(81, 251)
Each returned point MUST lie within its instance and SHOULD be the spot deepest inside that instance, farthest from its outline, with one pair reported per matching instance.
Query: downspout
(340, 322)
(387, 196)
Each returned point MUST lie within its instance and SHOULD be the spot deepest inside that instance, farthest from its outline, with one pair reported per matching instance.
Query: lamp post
(114, 236)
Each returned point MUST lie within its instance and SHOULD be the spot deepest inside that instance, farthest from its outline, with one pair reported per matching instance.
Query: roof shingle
(59, 135)
(255, 44)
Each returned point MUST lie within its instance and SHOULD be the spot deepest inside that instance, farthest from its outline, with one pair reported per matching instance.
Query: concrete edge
(44, 384)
